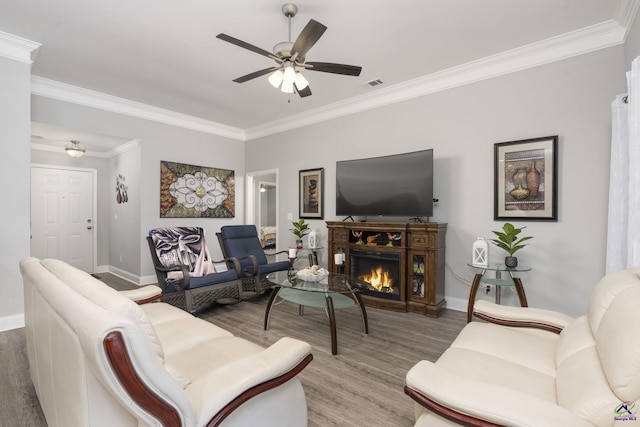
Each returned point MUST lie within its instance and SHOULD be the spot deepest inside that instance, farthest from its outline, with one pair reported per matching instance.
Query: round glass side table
(498, 281)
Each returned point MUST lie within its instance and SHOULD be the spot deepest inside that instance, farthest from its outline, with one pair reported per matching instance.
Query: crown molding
(626, 13)
(77, 95)
(589, 39)
(586, 40)
(134, 143)
(17, 48)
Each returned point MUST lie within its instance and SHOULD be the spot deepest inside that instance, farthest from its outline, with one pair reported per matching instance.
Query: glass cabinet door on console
(410, 255)
(417, 272)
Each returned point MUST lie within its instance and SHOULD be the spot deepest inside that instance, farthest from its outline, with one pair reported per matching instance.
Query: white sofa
(532, 367)
(99, 359)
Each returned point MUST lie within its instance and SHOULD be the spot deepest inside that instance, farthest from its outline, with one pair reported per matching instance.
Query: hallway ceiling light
(74, 150)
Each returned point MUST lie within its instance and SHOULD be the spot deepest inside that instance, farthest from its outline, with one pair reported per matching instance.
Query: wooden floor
(360, 386)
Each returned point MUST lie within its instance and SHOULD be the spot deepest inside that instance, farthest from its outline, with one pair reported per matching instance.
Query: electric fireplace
(380, 269)
(403, 263)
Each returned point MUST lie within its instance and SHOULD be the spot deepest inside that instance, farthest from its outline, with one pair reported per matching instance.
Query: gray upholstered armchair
(241, 242)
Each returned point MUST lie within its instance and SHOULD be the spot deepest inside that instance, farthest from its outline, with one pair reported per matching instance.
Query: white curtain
(623, 238)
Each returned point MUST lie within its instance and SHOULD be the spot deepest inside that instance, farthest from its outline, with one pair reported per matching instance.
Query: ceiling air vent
(373, 83)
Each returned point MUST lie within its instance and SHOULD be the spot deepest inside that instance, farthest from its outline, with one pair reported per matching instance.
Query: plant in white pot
(300, 229)
(509, 241)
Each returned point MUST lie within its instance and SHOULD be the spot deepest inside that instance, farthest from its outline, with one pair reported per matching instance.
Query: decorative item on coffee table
(509, 241)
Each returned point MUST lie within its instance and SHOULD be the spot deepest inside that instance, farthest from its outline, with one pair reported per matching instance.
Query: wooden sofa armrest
(247, 377)
(226, 389)
(521, 317)
(473, 403)
(257, 389)
(144, 294)
(116, 352)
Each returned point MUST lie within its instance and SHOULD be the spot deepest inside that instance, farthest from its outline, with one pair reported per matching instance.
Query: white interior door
(62, 218)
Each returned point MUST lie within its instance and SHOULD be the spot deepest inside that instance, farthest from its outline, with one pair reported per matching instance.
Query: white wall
(570, 98)
(15, 129)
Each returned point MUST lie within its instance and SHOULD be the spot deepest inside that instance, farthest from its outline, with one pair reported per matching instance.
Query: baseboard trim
(102, 269)
(138, 280)
(457, 304)
(123, 274)
(15, 321)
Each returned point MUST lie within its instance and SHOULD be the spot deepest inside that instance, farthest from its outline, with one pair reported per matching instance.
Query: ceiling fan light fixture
(74, 150)
(291, 55)
(301, 82)
(276, 78)
(287, 87)
(289, 74)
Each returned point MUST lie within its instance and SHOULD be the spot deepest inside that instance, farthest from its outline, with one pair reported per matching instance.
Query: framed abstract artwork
(311, 184)
(525, 181)
(189, 191)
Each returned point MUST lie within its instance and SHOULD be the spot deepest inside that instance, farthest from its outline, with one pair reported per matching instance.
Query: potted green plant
(509, 241)
(300, 229)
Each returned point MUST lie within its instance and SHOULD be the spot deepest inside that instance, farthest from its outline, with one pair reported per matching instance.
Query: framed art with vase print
(525, 181)
(311, 193)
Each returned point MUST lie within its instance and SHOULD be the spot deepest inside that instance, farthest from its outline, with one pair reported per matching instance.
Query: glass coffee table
(334, 292)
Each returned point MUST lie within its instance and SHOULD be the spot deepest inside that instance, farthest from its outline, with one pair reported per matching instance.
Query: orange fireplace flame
(379, 280)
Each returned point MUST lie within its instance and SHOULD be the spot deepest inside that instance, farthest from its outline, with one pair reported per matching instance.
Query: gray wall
(124, 218)
(14, 174)
(632, 45)
(570, 98)
(142, 172)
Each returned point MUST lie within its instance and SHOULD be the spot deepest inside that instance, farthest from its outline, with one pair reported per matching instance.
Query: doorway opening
(262, 206)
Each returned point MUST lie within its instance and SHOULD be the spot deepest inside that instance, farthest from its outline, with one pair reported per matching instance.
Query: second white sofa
(99, 359)
(534, 367)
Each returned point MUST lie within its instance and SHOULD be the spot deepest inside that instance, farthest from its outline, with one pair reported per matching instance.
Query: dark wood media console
(421, 248)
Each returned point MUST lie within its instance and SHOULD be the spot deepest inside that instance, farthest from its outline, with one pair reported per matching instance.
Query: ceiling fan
(291, 55)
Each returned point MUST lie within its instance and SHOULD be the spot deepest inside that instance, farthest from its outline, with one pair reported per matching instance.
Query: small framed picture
(312, 193)
(525, 182)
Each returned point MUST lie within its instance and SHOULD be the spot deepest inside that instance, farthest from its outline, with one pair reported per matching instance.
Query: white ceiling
(164, 53)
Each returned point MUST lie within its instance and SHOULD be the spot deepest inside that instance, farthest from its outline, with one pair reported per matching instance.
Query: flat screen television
(395, 185)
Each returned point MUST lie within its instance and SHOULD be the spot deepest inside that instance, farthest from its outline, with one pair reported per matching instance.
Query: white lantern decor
(314, 239)
(480, 256)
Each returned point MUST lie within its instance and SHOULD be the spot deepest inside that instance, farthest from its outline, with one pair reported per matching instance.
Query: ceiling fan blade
(328, 67)
(304, 92)
(307, 38)
(254, 75)
(246, 45)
